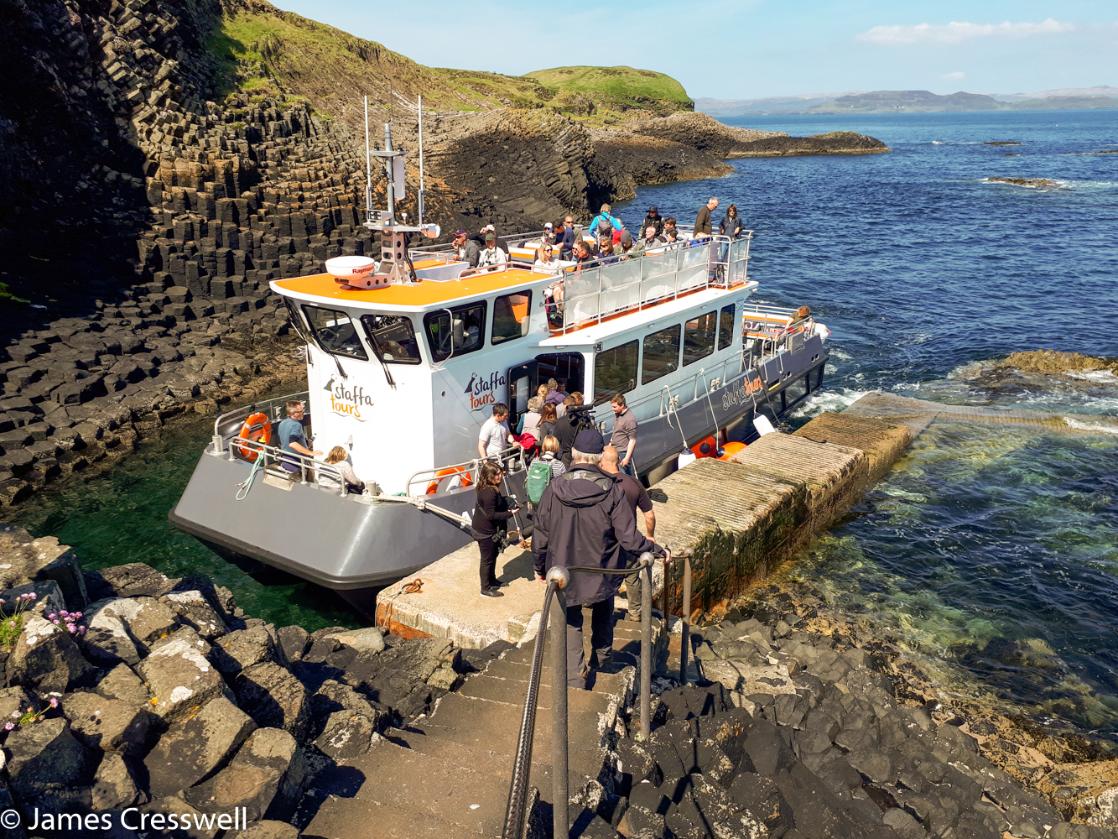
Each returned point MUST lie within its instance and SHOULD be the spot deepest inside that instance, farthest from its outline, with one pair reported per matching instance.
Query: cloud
(954, 76)
(958, 31)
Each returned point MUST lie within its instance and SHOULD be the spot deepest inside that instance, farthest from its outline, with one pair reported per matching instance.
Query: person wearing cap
(624, 248)
(584, 518)
(491, 255)
(548, 236)
(467, 250)
(652, 219)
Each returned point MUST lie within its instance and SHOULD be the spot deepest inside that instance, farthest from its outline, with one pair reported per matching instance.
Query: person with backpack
(489, 525)
(543, 469)
(584, 519)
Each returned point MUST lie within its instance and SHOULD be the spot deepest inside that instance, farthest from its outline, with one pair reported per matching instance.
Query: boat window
(698, 337)
(661, 354)
(726, 324)
(615, 371)
(392, 337)
(456, 331)
(510, 316)
(334, 332)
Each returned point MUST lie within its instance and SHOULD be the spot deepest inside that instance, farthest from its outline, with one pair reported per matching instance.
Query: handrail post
(645, 563)
(685, 617)
(560, 826)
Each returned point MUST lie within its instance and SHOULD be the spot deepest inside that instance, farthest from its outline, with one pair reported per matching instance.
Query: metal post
(422, 185)
(557, 627)
(685, 616)
(368, 167)
(645, 563)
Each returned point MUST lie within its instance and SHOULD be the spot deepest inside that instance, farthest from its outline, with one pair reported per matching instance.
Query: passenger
(638, 499)
(652, 219)
(670, 233)
(555, 394)
(652, 238)
(567, 242)
(584, 519)
(542, 391)
(494, 436)
(292, 437)
(548, 418)
(553, 305)
(492, 255)
(548, 235)
(583, 254)
(603, 223)
(530, 419)
(545, 263)
(565, 429)
(466, 250)
(339, 459)
(549, 452)
(626, 246)
(703, 227)
(624, 437)
(489, 525)
(731, 223)
(605, 251)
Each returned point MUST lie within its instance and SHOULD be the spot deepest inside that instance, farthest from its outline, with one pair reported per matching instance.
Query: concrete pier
(736, 520)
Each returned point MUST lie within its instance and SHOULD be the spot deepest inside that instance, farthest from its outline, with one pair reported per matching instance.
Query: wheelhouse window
(335, 332)
(510, 316)
(661, 354)
(615, 371)
(726, 326)
(455, 332)
(698, 337)
(392, 337)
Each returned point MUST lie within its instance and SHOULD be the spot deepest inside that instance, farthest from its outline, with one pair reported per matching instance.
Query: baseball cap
(548, 225)
(458, 233)
(589, 441)
(653, 210)
(491, 236)
(489, 228)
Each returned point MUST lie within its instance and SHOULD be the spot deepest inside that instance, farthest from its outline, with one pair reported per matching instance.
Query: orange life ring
(464, 481)
(707, 447)
(257, 429)
(731, 449)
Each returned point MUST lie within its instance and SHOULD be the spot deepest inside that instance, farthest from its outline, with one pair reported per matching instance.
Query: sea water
(990, 551)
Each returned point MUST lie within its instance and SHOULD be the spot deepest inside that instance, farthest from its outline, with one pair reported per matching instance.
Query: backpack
(539, 476)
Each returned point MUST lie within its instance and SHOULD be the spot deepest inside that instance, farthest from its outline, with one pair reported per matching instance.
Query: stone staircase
(447, 774)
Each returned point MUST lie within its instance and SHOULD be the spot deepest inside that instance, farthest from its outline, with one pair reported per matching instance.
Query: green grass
(617, 87)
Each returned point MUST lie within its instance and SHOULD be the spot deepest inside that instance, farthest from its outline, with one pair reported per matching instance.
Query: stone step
(467, 801)
(516, 673)
(460, 709)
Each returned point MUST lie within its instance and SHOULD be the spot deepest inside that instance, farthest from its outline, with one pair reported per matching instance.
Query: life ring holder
(464, 481)
(257, 430)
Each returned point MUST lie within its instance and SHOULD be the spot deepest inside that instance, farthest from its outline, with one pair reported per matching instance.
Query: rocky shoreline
(127, 689)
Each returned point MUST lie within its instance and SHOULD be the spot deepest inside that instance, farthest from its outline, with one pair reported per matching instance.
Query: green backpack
(539, 476)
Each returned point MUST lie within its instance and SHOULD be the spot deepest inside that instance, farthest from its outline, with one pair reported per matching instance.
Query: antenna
(422, 190)
(368, 166)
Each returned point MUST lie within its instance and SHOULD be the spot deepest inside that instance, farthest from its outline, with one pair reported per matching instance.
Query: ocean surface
(991, 553)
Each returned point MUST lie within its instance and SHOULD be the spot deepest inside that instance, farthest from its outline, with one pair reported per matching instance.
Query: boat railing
(227, 426)
(291, 465)
(439, 480)
(776, 328)
(598, 290)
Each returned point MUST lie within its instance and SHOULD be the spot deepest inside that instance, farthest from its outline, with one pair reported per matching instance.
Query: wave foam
(1102, 428)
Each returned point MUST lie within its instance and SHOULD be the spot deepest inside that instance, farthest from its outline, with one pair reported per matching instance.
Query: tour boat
(406, 358)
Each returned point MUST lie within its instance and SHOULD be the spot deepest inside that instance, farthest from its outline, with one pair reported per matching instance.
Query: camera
(581, 417)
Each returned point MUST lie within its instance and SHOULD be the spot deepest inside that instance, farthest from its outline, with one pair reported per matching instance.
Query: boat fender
(257, 429)
(462, 473)
(685, 459)
(730, 449)
(707, 447)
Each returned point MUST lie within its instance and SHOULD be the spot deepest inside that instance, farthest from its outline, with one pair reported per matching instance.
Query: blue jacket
(604, 218)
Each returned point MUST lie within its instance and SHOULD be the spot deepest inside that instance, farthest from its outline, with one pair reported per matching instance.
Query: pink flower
(63, 613)
(8, 726)
(51, 616)
(76, 616)
(33, 596)
(81, 630)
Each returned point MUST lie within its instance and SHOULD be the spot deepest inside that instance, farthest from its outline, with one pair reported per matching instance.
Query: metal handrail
(273, 454)
(468, 467)
(558, 579)
(238, 415)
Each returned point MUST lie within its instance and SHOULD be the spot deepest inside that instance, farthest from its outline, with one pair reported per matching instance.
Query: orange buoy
(257, 429)
(731, 449)
(464, 481)
(707, 447)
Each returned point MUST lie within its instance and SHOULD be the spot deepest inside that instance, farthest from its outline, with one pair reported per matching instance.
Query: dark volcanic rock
(195, 747)
(273, 697)
(265, 777)
(46, 658)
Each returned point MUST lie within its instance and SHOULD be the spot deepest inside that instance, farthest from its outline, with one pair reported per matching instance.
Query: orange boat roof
(410, 296)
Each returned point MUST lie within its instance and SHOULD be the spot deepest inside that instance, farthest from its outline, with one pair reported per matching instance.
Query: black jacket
(584, 519)
(491, 512)
(565, 432)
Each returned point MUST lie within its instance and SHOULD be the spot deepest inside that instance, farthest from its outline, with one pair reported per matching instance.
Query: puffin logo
(348, 402)
(483, 391)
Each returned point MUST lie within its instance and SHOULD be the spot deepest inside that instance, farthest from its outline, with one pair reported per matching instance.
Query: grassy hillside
(260, 49)
(616, 88)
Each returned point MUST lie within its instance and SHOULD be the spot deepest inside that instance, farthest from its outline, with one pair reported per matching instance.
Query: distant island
(913, 101)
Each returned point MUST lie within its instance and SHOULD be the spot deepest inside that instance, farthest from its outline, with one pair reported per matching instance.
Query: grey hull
(353, 543)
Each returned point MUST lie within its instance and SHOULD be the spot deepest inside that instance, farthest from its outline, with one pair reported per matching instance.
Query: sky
(751, 49)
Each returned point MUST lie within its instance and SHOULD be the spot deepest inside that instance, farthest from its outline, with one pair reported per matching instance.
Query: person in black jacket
(491, 514)
(584, 519)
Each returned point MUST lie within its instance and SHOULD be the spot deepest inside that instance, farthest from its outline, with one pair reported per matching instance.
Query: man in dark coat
(584, 519)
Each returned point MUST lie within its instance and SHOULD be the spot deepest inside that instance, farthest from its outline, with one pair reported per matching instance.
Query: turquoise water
(991, 551)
